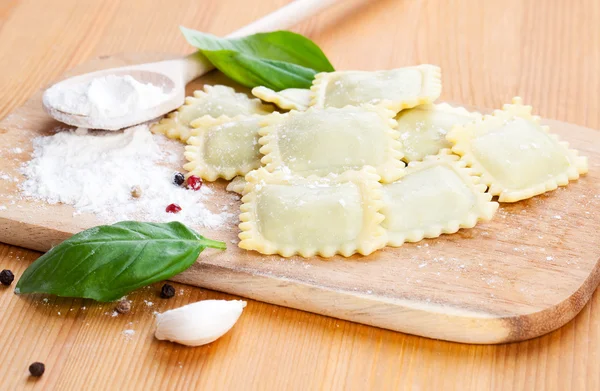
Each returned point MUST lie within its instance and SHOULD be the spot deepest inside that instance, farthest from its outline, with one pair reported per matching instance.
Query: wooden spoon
(172, 76)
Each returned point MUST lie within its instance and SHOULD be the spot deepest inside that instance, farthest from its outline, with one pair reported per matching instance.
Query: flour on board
(95, 171)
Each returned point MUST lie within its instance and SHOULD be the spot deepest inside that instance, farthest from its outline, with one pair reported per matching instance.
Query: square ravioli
(423, 129)
(438, 195)
(223, 147)
(394, 89)
(325, 141)
(214, 101)
(288, 99)
(287, 215)
(515, 155)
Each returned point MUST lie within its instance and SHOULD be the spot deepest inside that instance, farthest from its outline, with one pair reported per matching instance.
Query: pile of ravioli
(364, 160)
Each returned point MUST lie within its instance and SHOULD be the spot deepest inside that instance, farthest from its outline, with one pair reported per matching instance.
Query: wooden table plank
(546, 51)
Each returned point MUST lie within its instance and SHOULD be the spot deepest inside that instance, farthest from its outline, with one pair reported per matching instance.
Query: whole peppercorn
(173, 208)
(37, 369)
(194, 183)
(6, 277)
(123, 307)
(167, 291)
(178, 179)
(136, 191)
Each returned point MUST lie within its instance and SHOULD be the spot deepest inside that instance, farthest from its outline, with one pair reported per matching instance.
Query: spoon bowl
(170, 76)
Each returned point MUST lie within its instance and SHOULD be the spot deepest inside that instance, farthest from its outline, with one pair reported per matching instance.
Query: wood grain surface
(527, 272)
(546, 51)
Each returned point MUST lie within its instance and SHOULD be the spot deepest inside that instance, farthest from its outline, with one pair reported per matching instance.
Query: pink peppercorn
(173, 208)
(194, 183)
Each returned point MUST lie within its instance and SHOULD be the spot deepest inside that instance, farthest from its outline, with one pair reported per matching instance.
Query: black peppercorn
(167, 291)
(6, 277)
(37, 369)
(123, 307)
(178, 179)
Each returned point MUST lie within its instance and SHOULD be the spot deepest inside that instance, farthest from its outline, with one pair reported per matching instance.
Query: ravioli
(223, 147)
(438, 195)
(394, 89)
(287, 215)
(423, 129)
(237, 185)
(214, 101)
(288, 99)
(333, 140)
(515, 155)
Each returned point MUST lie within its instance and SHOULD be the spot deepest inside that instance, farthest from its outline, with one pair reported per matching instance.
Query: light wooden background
(547, 51)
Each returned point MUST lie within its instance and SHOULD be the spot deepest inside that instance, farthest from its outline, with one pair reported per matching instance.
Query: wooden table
(548, 52)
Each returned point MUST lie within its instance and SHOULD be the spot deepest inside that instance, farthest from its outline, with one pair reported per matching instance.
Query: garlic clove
(198, 323)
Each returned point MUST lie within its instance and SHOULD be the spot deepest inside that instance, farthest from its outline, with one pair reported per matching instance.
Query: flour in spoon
(95, 172)
(105, 97)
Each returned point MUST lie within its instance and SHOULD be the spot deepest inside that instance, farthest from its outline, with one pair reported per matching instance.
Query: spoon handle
(196, 65)
(284, 17)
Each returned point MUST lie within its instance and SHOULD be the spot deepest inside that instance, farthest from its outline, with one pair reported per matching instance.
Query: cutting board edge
(537, 323)
(37, 239)
(356, 307)
(405, 316)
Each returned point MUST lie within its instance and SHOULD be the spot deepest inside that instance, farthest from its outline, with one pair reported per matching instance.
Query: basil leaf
(277, 60)
(106, 262)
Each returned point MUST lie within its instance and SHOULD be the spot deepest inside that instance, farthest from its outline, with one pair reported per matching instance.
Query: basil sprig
(107, 262)
(277, 60)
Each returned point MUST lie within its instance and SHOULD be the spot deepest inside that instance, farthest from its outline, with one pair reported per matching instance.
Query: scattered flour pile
(95, 172)
(106, 97)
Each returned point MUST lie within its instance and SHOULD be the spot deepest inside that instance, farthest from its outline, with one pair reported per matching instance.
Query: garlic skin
(198, 323)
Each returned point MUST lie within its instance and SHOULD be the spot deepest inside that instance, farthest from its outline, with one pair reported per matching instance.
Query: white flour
(128, 334)
(106, 97)
(95, 171)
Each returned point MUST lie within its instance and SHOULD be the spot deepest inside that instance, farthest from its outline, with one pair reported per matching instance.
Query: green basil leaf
(107, 262)
(277, 60)
(276, 75)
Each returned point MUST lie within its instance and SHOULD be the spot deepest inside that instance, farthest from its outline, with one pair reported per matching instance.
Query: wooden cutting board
(527, 272)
